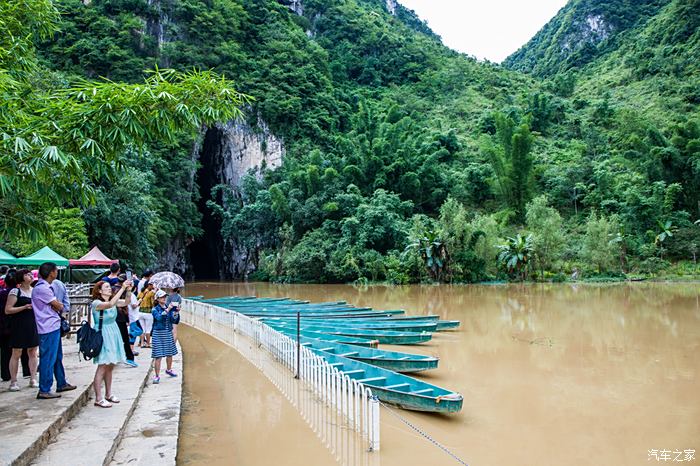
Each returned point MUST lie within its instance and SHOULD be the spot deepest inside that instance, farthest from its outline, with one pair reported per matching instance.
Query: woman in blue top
(162, 341)
(112, 352)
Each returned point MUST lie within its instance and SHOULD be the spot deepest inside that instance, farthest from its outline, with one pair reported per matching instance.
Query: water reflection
(347, 446)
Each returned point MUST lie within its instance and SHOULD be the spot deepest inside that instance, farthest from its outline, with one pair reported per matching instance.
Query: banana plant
(515, 254)
(666, 231)
(433, 251)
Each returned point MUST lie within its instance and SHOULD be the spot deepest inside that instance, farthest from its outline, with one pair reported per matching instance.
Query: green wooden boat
(443, 325)
(398, 389)
(294, 305)
(383, 336)
(426, 318)
(369, 324)
(390, 360)
(356, 341)
(311, 314)
(242, 299)
(295, 309)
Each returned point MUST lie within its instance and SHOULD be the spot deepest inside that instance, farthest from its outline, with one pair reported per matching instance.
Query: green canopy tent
(45, 254)
(6, 258)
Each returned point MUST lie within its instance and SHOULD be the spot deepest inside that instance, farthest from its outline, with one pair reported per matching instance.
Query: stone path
(152, 431)
(71, 430)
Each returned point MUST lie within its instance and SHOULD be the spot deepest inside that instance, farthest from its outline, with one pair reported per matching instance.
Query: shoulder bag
(89, 339)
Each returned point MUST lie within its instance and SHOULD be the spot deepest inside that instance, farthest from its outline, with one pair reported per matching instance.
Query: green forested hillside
(405, 160)
(581, 32)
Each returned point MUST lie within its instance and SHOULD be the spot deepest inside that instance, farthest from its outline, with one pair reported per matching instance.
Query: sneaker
(66, 388)
(47, 396)
(156, 379)
(136, 353)
(33, 384)
(131, 363)
(171, 373)
(14, 387)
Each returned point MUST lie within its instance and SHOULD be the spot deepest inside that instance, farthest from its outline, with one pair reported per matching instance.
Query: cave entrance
(205, 252)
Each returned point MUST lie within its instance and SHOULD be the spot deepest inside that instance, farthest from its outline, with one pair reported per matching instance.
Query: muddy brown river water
(551, 375)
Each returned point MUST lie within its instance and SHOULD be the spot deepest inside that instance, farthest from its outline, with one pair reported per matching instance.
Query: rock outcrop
(245, 148)
(295, 5)
(227, 153)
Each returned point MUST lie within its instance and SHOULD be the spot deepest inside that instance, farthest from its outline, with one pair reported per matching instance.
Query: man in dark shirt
(113, 277)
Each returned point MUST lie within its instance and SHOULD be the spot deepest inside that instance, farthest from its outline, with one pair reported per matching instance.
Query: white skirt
(146, 321)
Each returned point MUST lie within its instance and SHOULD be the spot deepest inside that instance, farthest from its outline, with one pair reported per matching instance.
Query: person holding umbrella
(163, 343)
(175, 299)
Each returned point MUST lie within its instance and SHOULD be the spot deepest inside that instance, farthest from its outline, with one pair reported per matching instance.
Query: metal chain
(427, 436)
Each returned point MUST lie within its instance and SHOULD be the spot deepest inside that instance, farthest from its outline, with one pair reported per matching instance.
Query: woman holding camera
(104, 312)
(164, 317)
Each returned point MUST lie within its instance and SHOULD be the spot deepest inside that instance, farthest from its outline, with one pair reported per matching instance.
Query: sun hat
(160, 294)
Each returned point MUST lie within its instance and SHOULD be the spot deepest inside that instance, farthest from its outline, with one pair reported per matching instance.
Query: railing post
(374, 430)
(298, 344)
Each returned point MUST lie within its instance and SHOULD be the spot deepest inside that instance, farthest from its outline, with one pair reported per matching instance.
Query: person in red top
(3, 272)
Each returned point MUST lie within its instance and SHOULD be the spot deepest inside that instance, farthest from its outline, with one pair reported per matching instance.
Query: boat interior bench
(371, 379)
(397, 386)
(419, 392)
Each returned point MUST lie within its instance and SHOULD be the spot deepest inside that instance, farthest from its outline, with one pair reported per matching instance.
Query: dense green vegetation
(60, 140)
(581, 32)
(407, 161)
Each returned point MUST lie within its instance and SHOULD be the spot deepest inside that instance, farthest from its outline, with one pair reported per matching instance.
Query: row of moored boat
(348, 338)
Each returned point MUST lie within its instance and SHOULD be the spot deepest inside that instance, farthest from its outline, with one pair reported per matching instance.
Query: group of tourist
(129, 313)
(31, 311)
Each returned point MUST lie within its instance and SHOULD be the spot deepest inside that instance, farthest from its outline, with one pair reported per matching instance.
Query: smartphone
(128, 274)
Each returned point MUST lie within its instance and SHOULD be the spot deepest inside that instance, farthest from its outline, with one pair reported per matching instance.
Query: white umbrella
(167, 280)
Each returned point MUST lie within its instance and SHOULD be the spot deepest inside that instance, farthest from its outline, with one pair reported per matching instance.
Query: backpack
(89, 339)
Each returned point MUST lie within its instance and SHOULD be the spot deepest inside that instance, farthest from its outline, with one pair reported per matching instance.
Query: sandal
(113, 399)
(103, 403)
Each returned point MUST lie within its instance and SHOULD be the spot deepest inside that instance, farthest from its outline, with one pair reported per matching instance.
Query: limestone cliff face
(391, 6)
(295, 5)
(244, 148)
(593, 29)
(227, 153)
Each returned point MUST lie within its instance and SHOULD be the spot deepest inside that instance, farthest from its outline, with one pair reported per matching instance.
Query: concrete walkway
(151, 433)
(70, 430)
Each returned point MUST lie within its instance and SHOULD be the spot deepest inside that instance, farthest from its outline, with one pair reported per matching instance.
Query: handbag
(89, 339)
(135, 329)
(65, 327)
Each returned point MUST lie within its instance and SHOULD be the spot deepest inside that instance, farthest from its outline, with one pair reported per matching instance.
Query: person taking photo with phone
(104, 316)
(164, 317)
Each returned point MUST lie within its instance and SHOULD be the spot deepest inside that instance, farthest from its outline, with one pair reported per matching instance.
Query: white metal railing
(80, 299)
(353, 400)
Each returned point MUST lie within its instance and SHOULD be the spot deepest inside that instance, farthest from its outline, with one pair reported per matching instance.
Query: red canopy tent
(93, 258)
